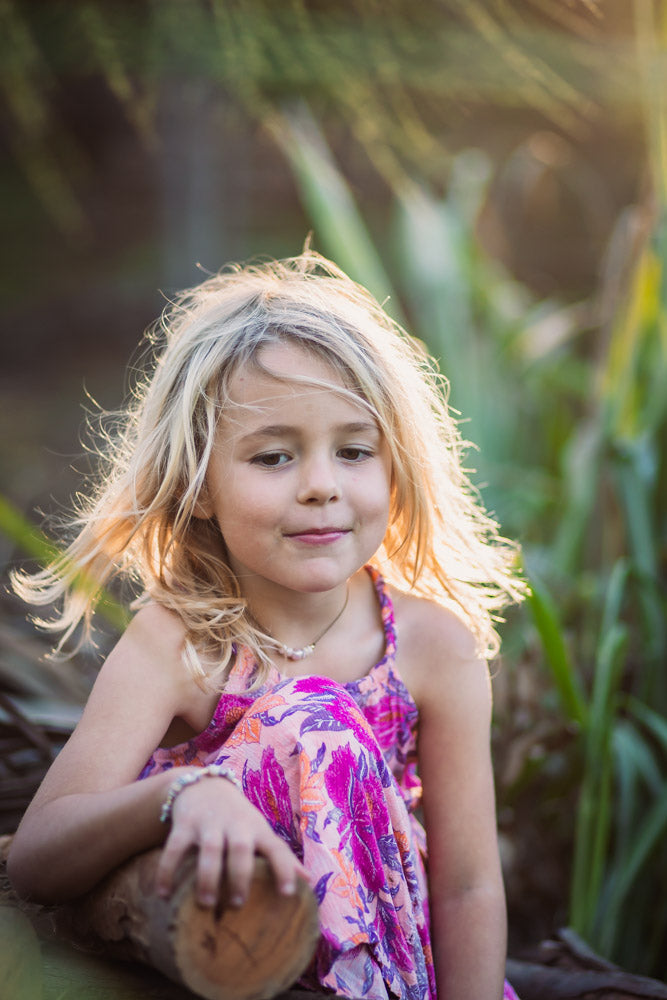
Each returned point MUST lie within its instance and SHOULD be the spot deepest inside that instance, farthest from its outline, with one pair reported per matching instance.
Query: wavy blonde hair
(141, 522)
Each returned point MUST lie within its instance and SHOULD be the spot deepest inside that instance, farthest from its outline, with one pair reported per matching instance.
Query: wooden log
(548, 982)
(249, 953)
(258, 951)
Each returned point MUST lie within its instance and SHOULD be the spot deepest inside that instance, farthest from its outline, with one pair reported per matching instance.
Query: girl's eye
(355, 454)
(271, 459)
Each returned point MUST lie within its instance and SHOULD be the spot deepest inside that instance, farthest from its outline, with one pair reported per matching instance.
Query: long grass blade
(654, 722)
(330, 203)
(652, 832)
(636, 770)
(593, 828)
(563, 671)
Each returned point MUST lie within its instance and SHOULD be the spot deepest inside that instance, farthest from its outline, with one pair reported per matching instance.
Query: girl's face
(299, 481)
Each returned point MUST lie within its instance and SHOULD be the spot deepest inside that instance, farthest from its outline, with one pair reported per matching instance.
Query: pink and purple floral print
(332, 767)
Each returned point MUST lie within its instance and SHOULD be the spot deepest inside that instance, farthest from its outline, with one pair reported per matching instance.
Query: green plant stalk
(634, 405)
(581, 460)
(636, 500)
(600, 840)
(330, 203)
(564, 675)
(621, 435)
(651, 39)
(613, 606)
(654, 722)
(592, 833)
(635, 765)
(640, 827)
(603, 720)
(652, 831)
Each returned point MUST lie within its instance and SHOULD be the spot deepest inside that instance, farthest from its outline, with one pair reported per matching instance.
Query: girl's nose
(319, 483)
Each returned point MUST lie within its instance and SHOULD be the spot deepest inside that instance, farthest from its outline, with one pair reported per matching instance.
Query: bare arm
(467, 900)
(90, 813)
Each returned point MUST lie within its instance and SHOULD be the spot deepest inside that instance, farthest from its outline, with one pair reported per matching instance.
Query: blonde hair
(141, 522)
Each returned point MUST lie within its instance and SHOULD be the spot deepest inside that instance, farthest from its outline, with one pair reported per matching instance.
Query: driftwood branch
(567, 969)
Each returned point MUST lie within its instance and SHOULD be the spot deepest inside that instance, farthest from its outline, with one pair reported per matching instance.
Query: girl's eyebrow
(285, 430)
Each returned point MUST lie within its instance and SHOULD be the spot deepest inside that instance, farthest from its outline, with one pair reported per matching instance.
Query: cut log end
(251, 952)
(247, 953)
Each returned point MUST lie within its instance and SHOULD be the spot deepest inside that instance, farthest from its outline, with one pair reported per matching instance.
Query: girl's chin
(319, 576)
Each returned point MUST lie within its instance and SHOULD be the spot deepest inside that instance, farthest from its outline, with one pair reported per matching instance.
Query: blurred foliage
(567, 401)
(571, 432)
(396, 81)
(33, 542)
(20, 959)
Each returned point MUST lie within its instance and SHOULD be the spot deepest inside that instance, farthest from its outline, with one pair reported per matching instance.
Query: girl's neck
(349, 649)
(296, 619)
(297, 653)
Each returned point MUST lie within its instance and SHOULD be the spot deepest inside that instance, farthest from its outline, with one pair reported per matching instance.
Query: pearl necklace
(300, 653)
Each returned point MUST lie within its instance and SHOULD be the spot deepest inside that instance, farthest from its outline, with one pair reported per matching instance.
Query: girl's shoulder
(149, 654)
(435, 648)
(426, 625)
(157, 624)
(155, 635)
(150, 645)
(159, 636)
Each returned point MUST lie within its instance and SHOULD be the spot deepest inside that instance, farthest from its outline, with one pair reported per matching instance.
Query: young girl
(318, 589)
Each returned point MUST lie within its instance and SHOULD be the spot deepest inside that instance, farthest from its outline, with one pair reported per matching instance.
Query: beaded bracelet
(183, 780)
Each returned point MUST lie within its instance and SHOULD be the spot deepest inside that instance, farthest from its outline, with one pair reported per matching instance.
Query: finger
(285, 865)
(173, 852)
(239, 864)
(209, 870)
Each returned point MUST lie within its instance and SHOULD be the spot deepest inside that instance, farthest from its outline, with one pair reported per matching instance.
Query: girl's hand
(228, 830)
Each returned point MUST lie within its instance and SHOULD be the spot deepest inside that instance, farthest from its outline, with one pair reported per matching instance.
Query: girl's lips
(316, 537)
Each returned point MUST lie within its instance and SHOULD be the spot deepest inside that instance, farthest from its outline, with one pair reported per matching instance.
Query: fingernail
(208, 899)
(288, 888)
(237, 900)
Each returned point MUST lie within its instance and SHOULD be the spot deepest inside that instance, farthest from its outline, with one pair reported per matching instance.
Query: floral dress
(332, 767)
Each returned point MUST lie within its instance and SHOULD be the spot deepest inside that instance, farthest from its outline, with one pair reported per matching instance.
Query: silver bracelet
(183, 780)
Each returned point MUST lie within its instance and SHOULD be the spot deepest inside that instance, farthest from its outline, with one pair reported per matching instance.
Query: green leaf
(634, 766)
(25, 535)
(34, 543)
(654, 722)
(545, 617)
(581, 459)
(330, 203)
(594, 818)
(651, 832)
